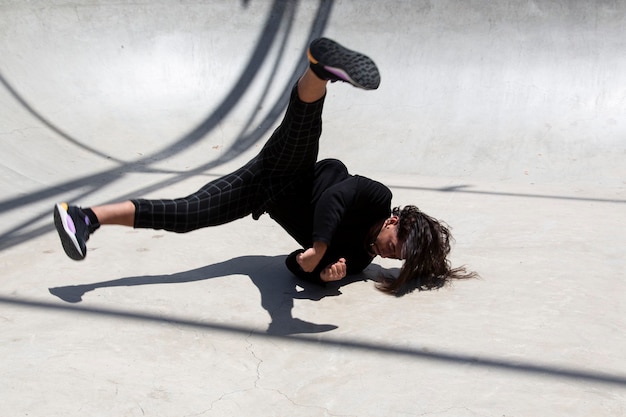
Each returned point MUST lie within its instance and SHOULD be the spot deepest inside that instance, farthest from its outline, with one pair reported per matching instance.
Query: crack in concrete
(257, 386)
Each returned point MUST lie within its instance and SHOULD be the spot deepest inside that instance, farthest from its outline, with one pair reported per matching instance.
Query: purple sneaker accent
(73, 228)
(331, 61)
(70, 225)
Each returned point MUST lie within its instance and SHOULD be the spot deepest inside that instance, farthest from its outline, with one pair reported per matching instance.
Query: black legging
(287, 158)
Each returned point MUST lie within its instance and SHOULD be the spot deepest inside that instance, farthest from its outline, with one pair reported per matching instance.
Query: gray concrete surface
(506, 119)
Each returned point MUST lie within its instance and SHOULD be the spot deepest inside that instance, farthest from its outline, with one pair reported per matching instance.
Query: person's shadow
(278, 288)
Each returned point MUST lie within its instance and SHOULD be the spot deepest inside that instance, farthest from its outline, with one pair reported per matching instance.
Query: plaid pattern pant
(287, 159)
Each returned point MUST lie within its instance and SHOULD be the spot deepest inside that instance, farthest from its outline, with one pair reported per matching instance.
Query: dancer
(342, 221)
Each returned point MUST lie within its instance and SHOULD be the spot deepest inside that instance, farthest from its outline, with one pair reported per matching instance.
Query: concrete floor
(505, 119)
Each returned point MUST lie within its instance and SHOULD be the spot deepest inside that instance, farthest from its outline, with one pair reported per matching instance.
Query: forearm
(310, 258)
(294, 267)
(322, 274)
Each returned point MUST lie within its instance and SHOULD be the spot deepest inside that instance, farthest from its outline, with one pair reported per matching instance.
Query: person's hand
(334, 272)
(311, 257)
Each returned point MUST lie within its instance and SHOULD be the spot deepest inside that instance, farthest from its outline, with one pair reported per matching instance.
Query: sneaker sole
(68, 238)
(350, 66)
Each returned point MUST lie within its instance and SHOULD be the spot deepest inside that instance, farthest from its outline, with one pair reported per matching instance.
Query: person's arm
(358, 196)
(311, 257)
(332, 272)
(294, 267)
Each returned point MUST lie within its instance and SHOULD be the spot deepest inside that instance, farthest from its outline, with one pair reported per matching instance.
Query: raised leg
(311, 88)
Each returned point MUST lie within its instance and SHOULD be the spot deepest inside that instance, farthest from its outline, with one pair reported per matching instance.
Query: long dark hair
(425, 248)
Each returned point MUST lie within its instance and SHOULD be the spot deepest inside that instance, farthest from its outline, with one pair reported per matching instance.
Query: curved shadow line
(269, 32)
(241, 143)
(281, 9)
(23, 231)
(244, 142)
(414, 353)
(37, 115)
(320, 21)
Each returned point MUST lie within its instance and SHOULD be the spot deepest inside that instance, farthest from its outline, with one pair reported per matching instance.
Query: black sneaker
(331, 61)
(74, 229)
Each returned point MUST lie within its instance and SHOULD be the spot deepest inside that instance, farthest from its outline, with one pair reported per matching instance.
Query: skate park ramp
(505, 119)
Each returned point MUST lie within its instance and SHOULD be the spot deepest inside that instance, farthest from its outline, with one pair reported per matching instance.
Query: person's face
(386, 244)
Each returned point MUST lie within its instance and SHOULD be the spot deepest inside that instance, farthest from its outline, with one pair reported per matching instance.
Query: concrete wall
(531, 91)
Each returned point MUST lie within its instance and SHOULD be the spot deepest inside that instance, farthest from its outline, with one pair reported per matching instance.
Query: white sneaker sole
(68, 237)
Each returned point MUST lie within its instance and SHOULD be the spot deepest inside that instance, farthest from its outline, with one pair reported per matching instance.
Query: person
(342, 221)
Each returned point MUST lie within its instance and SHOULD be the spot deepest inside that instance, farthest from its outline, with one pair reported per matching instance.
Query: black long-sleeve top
(338, 209)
